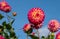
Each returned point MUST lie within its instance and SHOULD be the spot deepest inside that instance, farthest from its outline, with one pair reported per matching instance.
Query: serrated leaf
(1, 16)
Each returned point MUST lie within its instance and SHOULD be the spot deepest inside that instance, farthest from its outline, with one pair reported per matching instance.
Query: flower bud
(14, 13)
(27, 28)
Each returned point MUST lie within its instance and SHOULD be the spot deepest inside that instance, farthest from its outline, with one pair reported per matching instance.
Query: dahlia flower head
(58, 35)
(36, 16)
(1, 37)
(53, 25)
(5, 7)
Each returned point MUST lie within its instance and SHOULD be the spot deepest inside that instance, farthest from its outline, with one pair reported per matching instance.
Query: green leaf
(1, 16)
(1, 28)
(6, 35)
(29, 31)
(12, 34)
(48, 37)
(8, 26)
(34, 37)
(12, 21)
(4, 23)
(42, 37)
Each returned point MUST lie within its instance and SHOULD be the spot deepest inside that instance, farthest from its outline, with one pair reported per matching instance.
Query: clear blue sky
(50, 7)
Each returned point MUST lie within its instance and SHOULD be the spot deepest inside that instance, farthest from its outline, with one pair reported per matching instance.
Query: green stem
(52, 35)
(38, 33)
(27, 37)
(11, 31)
(8, 17)
(6, 35)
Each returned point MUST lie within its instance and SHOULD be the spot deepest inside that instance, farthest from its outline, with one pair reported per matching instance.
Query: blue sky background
(50, 7)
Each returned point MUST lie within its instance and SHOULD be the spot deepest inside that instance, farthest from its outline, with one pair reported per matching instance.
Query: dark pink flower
(5, 7)
(53, 25)
(1, 37)
(36, 16)
(58, 35)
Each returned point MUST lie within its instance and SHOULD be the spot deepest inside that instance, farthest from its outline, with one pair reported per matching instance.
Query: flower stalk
(38, 33)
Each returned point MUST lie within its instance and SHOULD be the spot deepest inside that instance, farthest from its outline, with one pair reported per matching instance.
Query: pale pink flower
(53, 25)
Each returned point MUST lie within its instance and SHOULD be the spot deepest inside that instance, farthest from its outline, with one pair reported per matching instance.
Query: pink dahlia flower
(53, 25)
(36, 16)
(1, 37)
(5, 7)
(58, 35)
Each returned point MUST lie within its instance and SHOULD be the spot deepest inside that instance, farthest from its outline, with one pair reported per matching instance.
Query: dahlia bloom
(53, 25)
(27, 27)
(1, 37)
(5, 7)
(36, 16)
(58, 35)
